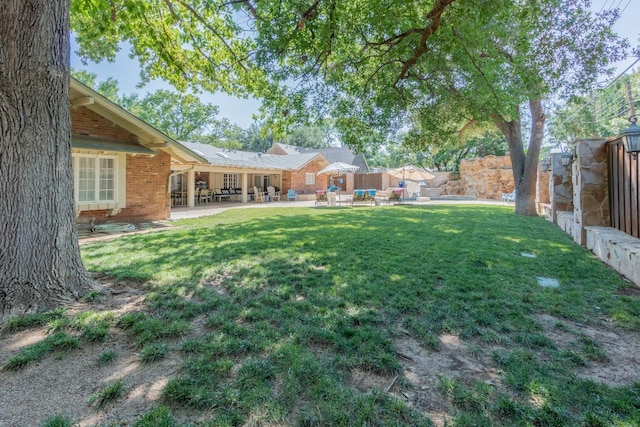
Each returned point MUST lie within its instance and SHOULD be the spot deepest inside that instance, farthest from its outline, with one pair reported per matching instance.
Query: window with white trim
(230, 180)
(309, 178)
(95, 178)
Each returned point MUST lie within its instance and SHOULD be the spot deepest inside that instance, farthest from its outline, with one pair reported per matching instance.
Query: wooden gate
(368, 180)
(623, 189)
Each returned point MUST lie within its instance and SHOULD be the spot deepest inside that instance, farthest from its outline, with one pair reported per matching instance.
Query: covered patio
(235, 176)
(203, 185)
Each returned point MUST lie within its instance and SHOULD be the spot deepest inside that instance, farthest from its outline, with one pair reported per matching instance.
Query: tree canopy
(183, 117)
(602, 112)
(374, 66)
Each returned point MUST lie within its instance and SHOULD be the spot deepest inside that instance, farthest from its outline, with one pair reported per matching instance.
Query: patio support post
(191, 188)
(245, 193)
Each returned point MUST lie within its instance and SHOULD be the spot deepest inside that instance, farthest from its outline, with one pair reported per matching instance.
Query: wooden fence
(368, 180)
(624, 191)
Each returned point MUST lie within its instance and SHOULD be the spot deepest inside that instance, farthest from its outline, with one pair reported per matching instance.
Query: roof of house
(108, 144)
(149, 137)
(247, 159)
(332, 154)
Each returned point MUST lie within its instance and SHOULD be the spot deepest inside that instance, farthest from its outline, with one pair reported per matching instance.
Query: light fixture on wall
(631, 137)
(566, 157)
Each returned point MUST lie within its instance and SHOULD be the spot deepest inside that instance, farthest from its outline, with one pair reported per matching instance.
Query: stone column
(560, 188)
(543, 199)
(590, 186)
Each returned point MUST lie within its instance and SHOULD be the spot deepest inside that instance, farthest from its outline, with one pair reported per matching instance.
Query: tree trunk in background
(526, 191)
(40, 264)
(524, 166)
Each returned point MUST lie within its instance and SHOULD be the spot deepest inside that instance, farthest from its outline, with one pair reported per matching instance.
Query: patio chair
(382, 197)
(291, 195)
(205, 196)
(321, 197)
(273, 194)
(509, 197)
(259, 196)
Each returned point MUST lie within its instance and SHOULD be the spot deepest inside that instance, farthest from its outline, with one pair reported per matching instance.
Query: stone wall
(560, 188)
(582, 189)
(580, 206)
(591, 185)
(617, 249)
(543, 198)
(453, 188)
(487, 177)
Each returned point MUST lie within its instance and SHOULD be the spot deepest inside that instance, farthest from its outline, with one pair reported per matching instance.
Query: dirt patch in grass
(423, 369)
(618, 350)
(62, 383)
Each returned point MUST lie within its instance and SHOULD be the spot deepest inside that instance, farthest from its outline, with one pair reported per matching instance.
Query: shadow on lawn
(342, 284)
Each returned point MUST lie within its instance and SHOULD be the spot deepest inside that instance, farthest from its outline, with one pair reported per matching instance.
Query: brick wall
(86, 122)
(147, 197)
(147, 183)
(296, 179)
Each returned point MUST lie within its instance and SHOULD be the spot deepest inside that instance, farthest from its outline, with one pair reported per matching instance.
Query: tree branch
(478, 69)
(435, 17)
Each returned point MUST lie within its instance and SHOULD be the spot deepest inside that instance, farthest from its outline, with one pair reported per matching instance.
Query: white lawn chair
(273, 194)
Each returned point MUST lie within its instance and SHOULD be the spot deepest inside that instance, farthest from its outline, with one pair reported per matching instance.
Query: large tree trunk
(525, 167)
(40, 264)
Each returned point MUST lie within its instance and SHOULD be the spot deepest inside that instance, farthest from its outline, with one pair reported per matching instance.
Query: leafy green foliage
(107, 356)
(374, 67)
(603, 113)
(182, 116)
(154, 352)
(190, 44)
(94, 326)
(145, 328)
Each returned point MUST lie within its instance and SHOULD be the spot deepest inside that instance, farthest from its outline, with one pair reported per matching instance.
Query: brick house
(345, 182)
(244, 170)
(121, 165)
(125, 170)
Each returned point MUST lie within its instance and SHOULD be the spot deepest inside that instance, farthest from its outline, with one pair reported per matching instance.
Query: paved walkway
(86, 236)
(214, 208)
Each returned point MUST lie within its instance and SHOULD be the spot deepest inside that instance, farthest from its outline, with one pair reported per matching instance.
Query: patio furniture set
(370, 197)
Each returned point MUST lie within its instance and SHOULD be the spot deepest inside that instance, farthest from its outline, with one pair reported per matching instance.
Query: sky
(127, 72)
(241, 111)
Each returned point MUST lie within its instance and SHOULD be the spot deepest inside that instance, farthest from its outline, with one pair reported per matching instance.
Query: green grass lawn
(295, 300)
